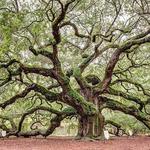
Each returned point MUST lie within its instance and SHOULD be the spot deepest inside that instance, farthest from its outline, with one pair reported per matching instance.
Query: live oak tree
(84, 55)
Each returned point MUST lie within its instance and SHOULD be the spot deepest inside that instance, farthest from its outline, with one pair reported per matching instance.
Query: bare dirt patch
(59, 143)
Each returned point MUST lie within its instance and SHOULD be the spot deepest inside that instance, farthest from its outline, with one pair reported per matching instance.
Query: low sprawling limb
(14, 98)
(117, 126)
(50, 96)
(133, 111)
(127, 97)
(54, 122)
(136, 84)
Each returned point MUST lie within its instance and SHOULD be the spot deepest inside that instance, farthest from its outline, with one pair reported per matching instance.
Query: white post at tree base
(130, 132)
(106, 135)
(3, 132)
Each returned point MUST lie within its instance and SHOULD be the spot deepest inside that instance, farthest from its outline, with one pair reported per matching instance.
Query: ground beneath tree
(57, 143)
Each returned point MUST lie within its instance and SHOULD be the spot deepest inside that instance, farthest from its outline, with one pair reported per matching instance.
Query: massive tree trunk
(91, 126)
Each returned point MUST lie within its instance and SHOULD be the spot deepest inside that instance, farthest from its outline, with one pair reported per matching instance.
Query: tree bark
(91, 126)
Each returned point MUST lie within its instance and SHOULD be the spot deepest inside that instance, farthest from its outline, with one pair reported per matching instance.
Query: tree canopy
(73, 58)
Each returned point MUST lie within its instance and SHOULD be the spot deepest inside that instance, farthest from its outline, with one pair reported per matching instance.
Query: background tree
(73, 58)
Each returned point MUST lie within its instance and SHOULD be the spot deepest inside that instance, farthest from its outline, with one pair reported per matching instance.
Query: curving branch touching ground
(132, 110)
(117, 126)
(54, 122)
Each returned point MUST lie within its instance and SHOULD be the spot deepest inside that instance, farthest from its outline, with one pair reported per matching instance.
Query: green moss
(85, 56)
(66, 79)
(76, 72)
(63, 77)
(88, 107)
(69, 110)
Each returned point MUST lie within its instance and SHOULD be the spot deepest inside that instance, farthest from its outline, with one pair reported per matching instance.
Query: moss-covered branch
(127, 97)
(40, 71)
(14, 98)
(50, 96)
(137, 85)
(115, 58)
(54, 122)
(133, 111)
(116, 125)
